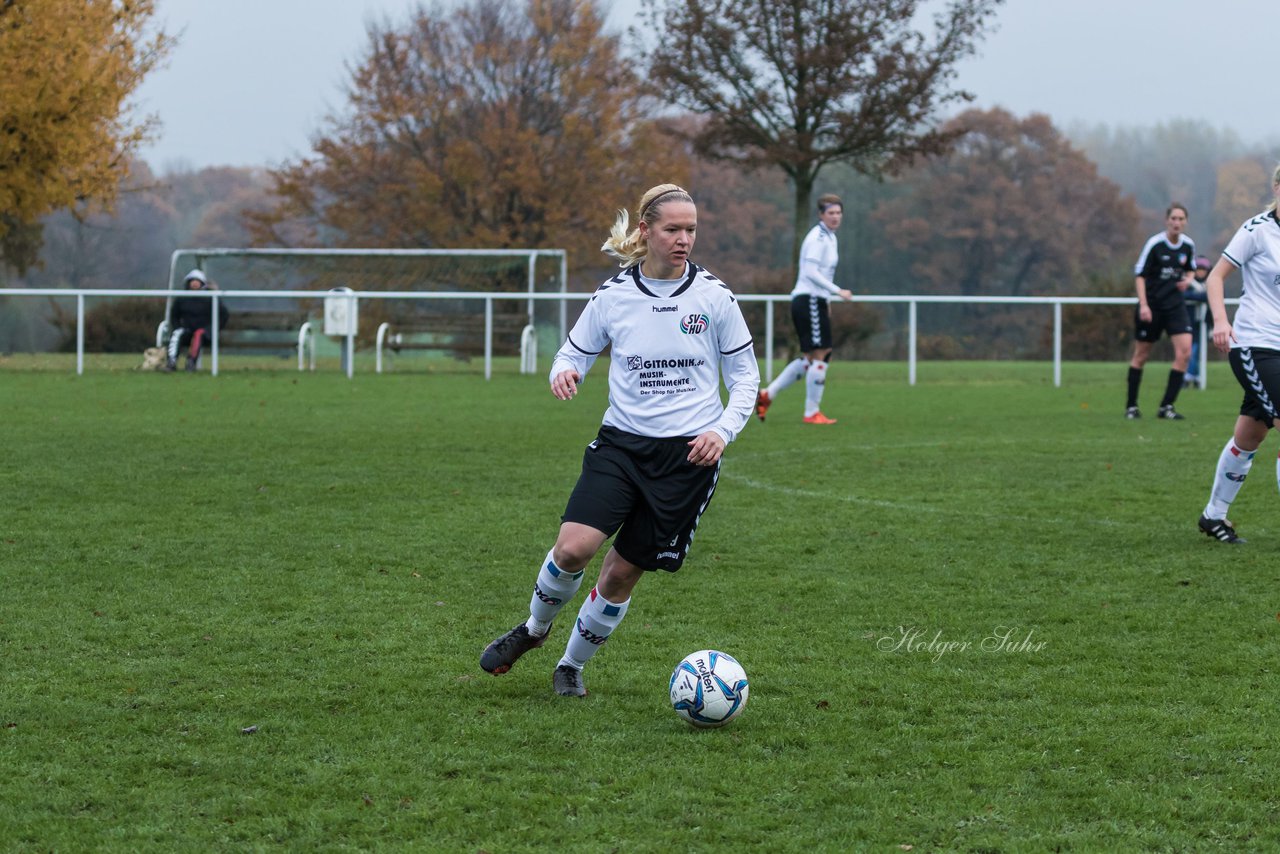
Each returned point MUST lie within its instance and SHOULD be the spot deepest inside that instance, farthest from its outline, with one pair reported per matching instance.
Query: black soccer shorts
(644, 490)
(812, 317)
(1258, 371)
(1171, 321)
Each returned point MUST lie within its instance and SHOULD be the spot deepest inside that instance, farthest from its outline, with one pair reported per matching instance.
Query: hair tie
(644, 210)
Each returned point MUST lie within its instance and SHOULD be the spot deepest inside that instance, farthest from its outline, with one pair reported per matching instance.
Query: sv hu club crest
(695, 324)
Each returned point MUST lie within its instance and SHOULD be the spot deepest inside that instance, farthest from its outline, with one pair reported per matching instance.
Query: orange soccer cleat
(763, 402)
(818, 418)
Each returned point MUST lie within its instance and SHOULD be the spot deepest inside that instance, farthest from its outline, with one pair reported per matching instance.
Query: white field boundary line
(794, 492)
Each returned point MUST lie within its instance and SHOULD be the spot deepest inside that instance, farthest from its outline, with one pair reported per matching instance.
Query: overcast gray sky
(251, 80)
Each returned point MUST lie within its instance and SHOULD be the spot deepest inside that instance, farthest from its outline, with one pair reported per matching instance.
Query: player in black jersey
(1163, 272)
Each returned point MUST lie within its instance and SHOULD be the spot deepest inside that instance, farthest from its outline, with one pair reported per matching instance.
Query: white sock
(597, 618)
(792, 372)
(814, 385)
(551, 591)
(1278, 469)
(1233, 465)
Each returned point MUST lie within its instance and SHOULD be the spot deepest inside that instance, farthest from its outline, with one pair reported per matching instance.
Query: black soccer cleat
(568, 682)
(1132, 412)
(1168, 413)
(506, 650)
(1220, 529)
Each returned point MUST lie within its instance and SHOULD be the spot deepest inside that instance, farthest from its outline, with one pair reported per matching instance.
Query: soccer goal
(413, 304)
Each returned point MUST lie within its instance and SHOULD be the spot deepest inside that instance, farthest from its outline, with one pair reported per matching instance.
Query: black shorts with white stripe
(644, 490)
(1257, 369)
(812, 317)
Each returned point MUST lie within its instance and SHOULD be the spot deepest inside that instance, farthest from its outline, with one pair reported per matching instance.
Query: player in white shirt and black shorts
(1254, 347)
(1164, 271)
(674, 329)
(811, 313)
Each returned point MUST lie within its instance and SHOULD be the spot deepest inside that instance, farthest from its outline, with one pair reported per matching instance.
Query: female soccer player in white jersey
(811, 314)
(650, 473)
(1254, 344)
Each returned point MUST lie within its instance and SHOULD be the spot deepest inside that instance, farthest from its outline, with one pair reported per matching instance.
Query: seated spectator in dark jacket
(191, 319)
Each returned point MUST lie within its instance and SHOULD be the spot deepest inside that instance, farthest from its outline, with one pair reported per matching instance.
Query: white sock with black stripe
(597, 619)
(793, 371)
(553, 588)
(1233, 465)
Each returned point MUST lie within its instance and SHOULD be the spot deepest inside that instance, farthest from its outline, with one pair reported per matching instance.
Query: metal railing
(912, 302)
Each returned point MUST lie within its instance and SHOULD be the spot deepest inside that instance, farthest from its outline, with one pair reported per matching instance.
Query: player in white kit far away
(811, 313)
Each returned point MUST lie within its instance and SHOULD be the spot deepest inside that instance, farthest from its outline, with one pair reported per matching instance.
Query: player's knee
(572, 555)
(618, 577)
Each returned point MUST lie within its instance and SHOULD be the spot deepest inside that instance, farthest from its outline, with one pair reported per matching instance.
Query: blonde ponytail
(625, 243)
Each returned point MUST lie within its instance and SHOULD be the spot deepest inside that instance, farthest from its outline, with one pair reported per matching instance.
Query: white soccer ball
(709, 688)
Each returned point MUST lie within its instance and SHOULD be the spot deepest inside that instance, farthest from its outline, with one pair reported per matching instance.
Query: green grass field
(977, 616)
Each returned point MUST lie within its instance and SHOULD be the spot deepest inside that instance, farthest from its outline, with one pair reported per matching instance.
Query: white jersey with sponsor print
(670, 341)
(1255, 249)
(819, 256)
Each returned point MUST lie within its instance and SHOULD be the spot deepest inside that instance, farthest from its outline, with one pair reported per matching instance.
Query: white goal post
(518, 271)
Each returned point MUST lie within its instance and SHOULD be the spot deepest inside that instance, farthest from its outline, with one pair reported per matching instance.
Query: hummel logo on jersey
(659, 309)
(695, 324)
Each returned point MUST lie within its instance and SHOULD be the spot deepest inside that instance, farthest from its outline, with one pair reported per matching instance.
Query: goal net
(425, 320)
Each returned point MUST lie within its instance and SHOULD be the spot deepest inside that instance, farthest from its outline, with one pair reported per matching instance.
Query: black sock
(1135, 380)
(1175, 386)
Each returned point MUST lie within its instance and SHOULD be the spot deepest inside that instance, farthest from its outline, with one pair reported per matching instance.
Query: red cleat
(763, 402)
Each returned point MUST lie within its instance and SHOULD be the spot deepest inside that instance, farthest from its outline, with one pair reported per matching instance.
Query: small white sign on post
(341, 313)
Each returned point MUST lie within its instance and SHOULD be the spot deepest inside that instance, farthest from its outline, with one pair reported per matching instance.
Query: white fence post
(1057, 344)
(768, 342)
(911, 342)
(79, 334)
(488, 337)
(213, 368)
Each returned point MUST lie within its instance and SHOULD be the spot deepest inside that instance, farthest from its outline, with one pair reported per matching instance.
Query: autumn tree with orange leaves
(1012, 209)
(67, 70)
(493, 124)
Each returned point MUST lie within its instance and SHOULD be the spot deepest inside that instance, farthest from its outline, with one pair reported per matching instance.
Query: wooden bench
(272, 331)
(460, 335)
